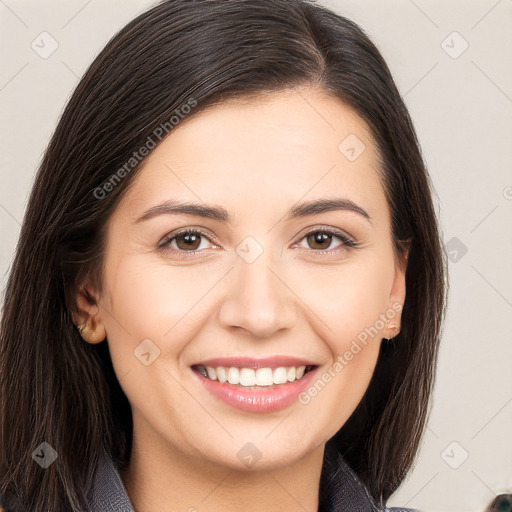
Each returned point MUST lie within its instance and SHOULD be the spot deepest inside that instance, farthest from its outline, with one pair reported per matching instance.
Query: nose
(257, 298)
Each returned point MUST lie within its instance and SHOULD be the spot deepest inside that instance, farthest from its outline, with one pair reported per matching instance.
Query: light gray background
(461, 103)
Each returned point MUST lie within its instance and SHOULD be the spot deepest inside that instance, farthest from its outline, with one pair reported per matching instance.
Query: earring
(81, 329)
(90, 334)
(394, 330)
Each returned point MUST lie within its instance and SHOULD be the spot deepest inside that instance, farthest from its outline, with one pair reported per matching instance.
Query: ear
(88, 319)
(397, 295)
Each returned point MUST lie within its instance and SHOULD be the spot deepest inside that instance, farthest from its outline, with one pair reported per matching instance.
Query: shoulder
(342, 489)
(107, 493)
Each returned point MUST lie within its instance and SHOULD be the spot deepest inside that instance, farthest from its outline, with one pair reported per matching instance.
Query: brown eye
(319, 240)
(322, 240)
(188, 241)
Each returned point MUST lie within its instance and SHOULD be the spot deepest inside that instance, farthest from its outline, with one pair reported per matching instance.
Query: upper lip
(251, 362)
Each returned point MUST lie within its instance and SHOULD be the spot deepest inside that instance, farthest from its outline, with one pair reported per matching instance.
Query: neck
(171, 481)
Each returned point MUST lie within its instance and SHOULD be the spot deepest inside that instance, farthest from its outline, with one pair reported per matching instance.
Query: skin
(256, 159)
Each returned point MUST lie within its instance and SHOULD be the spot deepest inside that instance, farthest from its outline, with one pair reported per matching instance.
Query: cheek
(147, 299)
(349, 303)
(157, 310)
(348, 299)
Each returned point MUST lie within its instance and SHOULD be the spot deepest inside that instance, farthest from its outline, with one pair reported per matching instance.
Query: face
(282, 279)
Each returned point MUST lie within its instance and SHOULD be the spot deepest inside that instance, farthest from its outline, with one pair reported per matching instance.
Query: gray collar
(108, 493)
(340, 488)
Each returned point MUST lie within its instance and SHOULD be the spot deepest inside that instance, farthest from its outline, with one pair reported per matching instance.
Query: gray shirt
(340, 489)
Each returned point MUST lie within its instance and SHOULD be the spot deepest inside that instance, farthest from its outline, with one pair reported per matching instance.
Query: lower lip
(258, 400)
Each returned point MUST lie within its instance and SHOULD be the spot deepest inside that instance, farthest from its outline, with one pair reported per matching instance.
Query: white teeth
(234, 376)
(221, 374)
(249, 377)
(280, 375)
(264, 377)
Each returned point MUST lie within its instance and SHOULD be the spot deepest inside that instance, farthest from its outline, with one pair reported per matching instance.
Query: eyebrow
(313, 207)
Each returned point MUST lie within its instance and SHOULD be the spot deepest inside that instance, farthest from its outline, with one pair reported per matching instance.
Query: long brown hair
(58, 389)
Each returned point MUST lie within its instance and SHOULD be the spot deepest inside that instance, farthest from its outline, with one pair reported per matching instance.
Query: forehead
(262, 151)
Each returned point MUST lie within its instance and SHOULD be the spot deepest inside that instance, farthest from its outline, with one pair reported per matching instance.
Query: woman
(229, 285)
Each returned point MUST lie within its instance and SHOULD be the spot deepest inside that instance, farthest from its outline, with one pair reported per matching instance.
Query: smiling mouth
(253, 378)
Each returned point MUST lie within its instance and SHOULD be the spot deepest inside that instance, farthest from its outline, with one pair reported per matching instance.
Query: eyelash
(165, 245)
